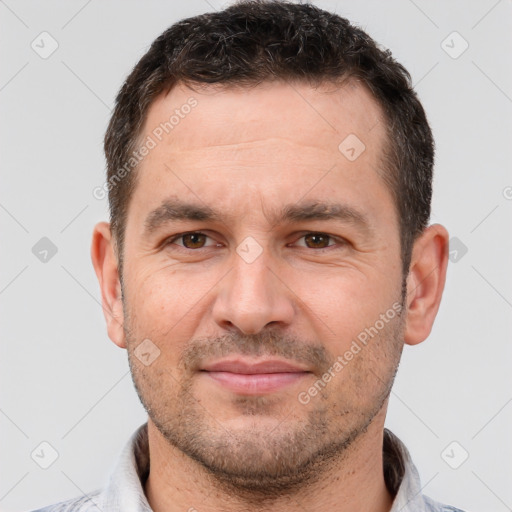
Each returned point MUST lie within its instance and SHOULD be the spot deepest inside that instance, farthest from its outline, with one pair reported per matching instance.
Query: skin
(247, 153)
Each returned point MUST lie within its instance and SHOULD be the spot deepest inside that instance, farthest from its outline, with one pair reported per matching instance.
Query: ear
(425, 282)
(105, 265)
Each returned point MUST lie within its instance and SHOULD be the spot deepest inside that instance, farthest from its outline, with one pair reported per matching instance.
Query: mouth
(254, 378)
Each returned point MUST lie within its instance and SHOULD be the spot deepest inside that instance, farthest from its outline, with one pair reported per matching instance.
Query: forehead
(234, 115)
(273, 143)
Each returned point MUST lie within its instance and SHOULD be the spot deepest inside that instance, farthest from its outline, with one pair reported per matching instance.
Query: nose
(253, 296)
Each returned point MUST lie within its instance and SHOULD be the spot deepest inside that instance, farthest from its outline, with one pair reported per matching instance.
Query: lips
(248, 368)
(254, 378)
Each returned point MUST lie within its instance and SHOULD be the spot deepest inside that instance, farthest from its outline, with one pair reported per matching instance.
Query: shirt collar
(401, 476)
(125, 490)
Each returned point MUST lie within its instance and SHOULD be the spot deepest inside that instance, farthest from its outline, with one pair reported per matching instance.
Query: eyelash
(338, 241)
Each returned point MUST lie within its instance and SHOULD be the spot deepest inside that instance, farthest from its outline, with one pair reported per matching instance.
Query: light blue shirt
(125, 489)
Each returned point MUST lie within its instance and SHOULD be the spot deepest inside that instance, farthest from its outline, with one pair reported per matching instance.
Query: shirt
(125, 490)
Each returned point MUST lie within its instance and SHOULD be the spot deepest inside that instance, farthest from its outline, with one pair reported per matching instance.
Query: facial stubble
(265, 459)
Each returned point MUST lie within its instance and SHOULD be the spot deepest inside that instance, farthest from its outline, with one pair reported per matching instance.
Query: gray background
(64, 382)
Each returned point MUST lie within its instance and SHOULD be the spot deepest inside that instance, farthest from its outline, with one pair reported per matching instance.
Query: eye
(192, 240)
(319, 241)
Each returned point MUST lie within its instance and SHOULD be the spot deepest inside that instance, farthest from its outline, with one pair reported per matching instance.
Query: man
(268, 255)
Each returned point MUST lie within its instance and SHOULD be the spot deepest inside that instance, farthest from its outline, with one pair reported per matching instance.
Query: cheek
(343, 303)
(165, 302)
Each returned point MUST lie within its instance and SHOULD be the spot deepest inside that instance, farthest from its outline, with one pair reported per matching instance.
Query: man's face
(254, 284)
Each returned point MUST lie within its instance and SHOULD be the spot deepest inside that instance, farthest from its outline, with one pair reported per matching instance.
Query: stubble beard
(266, 460)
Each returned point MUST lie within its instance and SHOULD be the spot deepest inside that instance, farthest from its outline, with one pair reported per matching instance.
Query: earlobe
(425, 282)
(105, 265)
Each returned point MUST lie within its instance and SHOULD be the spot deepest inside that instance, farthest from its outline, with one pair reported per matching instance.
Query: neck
(353, 483)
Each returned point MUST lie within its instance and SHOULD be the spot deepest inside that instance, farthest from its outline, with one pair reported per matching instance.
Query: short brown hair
(256, 41)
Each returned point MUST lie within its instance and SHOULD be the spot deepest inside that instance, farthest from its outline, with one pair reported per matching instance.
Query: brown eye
(317, 240)
(194, 240)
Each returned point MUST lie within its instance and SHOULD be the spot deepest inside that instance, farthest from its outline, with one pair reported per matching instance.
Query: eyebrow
(179, 210)
(319, 210)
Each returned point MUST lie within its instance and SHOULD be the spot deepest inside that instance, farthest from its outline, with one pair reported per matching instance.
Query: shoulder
(81, 504)
(435, 506)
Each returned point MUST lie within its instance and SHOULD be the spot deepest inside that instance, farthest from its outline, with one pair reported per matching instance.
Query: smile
(249, 378)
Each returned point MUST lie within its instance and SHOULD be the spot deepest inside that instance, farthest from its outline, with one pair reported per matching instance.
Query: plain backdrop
(63, 382)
